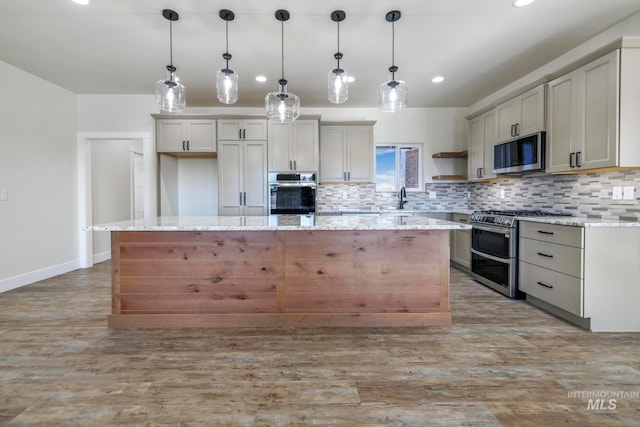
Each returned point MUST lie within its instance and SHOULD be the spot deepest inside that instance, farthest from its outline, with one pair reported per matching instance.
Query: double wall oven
(494, 248)
(292, 193)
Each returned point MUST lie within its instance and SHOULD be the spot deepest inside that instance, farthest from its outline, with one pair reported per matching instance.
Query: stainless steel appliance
(524, 154)
(292, 193)
(494, 248)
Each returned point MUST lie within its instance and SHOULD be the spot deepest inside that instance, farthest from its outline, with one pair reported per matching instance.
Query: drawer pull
(550, 233)
(545, 255)
(545, 285)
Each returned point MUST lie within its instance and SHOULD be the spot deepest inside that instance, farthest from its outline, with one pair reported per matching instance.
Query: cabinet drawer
(560, 258)
(460, 218)
(552, 233)
(559, 289)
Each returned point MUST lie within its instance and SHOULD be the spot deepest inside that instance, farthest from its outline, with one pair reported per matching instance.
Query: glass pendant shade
(170, 93)
(282, 106)
(393, 96)
(227, 85)
(338, 86)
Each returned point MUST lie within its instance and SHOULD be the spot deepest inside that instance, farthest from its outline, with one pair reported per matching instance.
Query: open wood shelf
(449, 178)
(451, 154)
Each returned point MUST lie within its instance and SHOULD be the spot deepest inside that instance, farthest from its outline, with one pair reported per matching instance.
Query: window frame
(398, 146)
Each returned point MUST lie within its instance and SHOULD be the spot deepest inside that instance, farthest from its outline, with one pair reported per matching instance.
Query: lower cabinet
(242, 178)
(587, 275)
(461, 244)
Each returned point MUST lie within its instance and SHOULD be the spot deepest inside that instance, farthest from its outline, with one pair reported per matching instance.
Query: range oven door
(493, 257)
(298, 198)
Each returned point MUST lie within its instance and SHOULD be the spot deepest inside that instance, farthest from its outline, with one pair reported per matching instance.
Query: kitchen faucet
(402, 196)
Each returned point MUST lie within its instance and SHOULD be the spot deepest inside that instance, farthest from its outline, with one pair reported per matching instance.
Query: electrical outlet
(616, 194)
(502, 194)
(468, 194)
(4, 195)
(627, 193)
(345, 195)
(432, 194)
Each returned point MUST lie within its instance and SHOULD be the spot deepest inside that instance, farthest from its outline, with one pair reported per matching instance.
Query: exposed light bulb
(437, 79)
(393, 95)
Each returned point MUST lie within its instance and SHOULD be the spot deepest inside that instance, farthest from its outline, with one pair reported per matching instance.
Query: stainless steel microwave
(524, 154)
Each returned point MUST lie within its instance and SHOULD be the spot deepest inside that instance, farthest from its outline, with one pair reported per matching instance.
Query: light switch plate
(4, 195)
(627, 193)
(617, 193)
(432, 194)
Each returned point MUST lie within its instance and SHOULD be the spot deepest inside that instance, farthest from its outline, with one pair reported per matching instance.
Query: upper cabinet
(520, 116)
(346, 152)
(185, 136)
(593, 115)
(482, 130)
(242, 130)
(294, 146)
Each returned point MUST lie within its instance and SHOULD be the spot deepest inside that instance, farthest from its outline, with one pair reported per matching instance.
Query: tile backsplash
(582, 195)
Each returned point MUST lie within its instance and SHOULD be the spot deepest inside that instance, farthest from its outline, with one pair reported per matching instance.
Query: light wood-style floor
(502, 362)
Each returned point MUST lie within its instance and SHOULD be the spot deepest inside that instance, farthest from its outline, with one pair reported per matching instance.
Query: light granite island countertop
(280, 271)
(281, 223)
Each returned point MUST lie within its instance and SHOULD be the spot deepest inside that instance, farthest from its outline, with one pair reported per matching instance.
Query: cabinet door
(170, 136)
(254, 130)
(489, 140)
(280, 158)
(531, 107)
(476, 148)
(360, 153)
(230, 175)
(255, 178)
(229, 130)
(505, 119)
(333, 140)
(201, 136)
(599, 112)
(561, 126)
(305, 145)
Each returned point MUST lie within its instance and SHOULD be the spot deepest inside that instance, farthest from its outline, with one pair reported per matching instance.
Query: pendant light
(282, 106)
(226, 79)
(338, 78)
(170, 93)
(393, 94)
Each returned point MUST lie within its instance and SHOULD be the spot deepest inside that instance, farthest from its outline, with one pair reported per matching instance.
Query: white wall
(111, 189)
(39, 222)
(198, 187)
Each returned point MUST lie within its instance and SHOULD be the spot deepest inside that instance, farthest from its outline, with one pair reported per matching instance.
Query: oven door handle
(491, 257)
(297, 184)
(496, 230)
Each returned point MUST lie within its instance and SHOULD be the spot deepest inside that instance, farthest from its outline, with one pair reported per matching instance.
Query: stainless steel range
(494, 248)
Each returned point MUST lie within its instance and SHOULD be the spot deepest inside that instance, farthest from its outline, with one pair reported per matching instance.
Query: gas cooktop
(507, 218)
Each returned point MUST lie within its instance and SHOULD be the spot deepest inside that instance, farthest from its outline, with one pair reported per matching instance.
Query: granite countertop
(580, 222)
(280, 223)
(398, 211)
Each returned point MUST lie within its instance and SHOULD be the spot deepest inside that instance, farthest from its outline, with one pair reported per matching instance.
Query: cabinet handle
(188, 148)
(295, 165)
(241, 198)
(550, 233)
(348, 176)
(517, 129)
(545, 285)
(578, 160)
(344, 176)
(239, 133)
(571, 155)
(512, 131)
(245, 198)
(290, 165)
(183, 149)
(462, 220)
(545, 255)
(244, 134)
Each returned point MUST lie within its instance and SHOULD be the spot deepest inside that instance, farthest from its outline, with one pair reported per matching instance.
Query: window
(398, 166)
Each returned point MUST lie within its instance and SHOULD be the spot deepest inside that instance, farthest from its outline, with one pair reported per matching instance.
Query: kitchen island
(280, 271)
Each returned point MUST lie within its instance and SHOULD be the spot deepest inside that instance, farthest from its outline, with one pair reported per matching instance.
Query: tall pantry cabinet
(242, 175)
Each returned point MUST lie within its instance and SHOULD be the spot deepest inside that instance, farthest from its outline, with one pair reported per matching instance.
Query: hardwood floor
(502, 362)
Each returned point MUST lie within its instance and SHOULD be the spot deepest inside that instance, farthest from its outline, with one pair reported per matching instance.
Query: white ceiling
(122, 46)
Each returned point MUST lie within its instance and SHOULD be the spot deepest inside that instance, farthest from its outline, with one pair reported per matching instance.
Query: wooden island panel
(280, 278)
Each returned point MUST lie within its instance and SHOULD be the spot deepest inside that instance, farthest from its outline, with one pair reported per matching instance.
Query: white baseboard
(35, 276)
(102, 256)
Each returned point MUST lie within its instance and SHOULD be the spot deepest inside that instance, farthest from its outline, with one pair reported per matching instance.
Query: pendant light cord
(393, 50)
(338, 45)
(171, 43)
(282, 45)
(227, 43)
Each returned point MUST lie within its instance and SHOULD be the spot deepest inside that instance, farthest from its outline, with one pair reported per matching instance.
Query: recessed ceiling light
(437, 79)
(261, 79)
(521, 3)
(82, 2)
